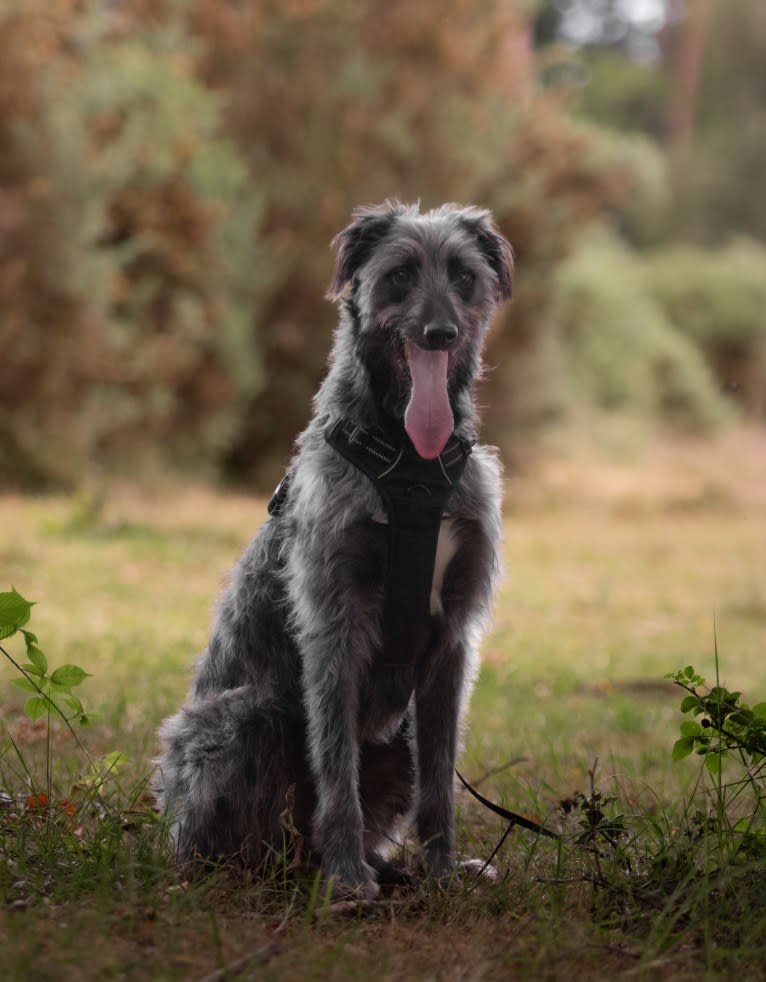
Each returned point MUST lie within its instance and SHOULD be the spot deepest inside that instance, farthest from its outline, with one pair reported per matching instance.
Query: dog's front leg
(437, 710)
(331, 700)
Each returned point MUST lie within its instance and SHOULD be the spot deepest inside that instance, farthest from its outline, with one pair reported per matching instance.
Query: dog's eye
(464, 280)
(401, 276)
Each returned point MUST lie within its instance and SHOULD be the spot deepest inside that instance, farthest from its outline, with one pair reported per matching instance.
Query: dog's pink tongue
(428, 419)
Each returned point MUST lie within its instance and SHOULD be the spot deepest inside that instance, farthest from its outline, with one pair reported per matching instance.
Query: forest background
(171, 175)
(172, 172)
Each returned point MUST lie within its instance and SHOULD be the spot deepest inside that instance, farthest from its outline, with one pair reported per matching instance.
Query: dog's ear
(494, 246)
(355, 244)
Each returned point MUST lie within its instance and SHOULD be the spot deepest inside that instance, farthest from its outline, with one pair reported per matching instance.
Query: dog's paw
(464, 871)
(336, 890)
(350, 883)
(393, 874)
(477, 868)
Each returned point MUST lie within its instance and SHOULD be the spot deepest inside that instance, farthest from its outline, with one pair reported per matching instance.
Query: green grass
(612, 582)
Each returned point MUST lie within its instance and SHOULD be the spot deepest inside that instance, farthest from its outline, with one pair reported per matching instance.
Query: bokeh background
(172, 172)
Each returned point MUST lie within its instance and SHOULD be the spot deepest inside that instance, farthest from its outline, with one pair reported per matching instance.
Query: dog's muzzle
(439, 336)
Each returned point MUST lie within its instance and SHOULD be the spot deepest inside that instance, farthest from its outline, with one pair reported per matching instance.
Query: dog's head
(419, 290)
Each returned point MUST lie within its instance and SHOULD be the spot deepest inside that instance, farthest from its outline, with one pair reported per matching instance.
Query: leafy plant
(727, 726)
(596, 823)
(50, 692)
(90, 834)
(730, 735)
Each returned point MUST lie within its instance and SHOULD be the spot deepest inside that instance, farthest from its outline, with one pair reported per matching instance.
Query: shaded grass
(604, 596)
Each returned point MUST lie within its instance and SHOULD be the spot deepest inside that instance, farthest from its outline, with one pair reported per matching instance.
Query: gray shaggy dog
(330, 697)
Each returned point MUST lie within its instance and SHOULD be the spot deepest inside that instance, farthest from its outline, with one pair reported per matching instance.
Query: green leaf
(37, 658)
(69, 675)
(32, 670)
(24, 683)
(29, 637)
(713, 763)
(741, 717)
(682, 748)
(59, 690)
(114, 760)
(35, 707)
(14, 613)
(690, 729)
(72, 701)
(103, 767)
(759, 710)
(690, 702)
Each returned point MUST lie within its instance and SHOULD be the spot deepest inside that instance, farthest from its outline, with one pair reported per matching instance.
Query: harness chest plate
(414, 493)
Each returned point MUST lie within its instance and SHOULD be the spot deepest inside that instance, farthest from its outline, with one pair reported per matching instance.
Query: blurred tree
(630, 348)
(173, 172)
(702, 97)
(693, 77)
(126, 311)
(338, 103)
(719, 173)
(717, 299)
(686, 54)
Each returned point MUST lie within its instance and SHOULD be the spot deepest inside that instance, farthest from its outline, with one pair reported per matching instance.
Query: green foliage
(173, 173)
(15, 612)
(622, 350)
(598, 825)
(50, 691)
(51, 697)
(58, 841)
(624, 94)
(693, 867)
(717, 299)
(726, 731)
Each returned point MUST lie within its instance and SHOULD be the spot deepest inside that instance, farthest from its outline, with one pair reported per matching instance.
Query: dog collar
(390, 467)
(396, 472)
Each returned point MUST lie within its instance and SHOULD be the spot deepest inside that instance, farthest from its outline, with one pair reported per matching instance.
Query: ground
(617, 573)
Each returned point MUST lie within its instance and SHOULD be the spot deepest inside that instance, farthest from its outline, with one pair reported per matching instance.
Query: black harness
(415, 494)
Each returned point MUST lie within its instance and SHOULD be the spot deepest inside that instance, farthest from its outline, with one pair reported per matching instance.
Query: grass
(617, 575)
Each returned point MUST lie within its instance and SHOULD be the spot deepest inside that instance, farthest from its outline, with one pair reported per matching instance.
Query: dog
(331, 696)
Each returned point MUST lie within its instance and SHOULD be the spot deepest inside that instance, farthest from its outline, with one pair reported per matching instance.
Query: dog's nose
(438, 336)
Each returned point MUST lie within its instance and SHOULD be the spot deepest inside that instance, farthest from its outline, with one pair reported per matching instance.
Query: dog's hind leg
(224, 774)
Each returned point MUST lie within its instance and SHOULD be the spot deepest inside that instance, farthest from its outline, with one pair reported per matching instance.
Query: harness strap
(511, 817)
(414, 492)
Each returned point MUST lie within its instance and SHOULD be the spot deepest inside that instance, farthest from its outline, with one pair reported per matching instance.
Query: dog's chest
(446, 547)
(392, 674)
